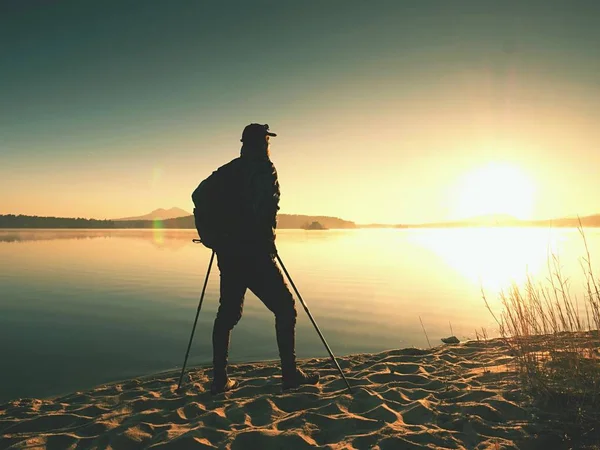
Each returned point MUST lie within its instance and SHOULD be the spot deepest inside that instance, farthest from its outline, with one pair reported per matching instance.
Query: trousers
(255, 270)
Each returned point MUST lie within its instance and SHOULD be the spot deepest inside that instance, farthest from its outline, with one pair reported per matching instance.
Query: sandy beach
(454, 396)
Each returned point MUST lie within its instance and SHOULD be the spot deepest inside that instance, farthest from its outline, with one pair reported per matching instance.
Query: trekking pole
(314, 323)
(197, 314)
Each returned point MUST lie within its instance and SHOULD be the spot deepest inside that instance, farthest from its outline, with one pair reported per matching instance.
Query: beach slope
(457, 396)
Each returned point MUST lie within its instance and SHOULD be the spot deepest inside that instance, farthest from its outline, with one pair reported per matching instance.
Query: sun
(496, 188)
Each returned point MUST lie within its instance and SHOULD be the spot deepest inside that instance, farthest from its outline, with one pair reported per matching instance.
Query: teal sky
(383, 108)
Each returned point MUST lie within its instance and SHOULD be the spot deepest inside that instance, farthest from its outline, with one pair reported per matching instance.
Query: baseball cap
(256, 132)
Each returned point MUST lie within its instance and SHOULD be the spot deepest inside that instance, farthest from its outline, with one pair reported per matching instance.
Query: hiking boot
(218, 387)
(299, 378)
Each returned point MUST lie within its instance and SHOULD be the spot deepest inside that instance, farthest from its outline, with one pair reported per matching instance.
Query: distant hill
(586, 221)
(20, 221)
(301, 221)
(160, 213)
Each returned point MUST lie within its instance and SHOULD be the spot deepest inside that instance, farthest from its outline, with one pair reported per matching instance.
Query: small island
(314, 226)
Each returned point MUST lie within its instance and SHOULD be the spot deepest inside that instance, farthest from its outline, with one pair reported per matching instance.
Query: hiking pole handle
(314, 323)
(196, 320)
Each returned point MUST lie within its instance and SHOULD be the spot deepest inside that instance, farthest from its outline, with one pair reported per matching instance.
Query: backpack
(217, 204)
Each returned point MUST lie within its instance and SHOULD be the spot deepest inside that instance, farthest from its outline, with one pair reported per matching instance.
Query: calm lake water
(84, 307)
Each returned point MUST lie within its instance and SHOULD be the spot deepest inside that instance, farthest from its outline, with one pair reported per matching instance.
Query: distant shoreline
(285, 221)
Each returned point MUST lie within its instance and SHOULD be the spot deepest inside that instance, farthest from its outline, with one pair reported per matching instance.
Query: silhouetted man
(246, 260)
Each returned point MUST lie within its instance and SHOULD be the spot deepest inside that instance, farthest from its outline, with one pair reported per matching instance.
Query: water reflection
(494, 258)
(168, 238)
(129, 296)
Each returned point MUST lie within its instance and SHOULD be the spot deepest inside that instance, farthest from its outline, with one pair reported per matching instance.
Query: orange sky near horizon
(417, 115)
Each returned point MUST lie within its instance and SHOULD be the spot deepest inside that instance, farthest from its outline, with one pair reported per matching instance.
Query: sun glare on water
(492, 258)
(495, 189)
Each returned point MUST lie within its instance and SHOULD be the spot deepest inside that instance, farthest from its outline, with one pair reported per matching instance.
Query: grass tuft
(556, 342)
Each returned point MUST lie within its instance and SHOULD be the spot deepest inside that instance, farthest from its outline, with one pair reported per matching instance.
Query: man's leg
(268, 285)
(231, 303)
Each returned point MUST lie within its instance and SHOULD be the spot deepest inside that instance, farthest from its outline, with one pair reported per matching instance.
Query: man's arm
(264, 197)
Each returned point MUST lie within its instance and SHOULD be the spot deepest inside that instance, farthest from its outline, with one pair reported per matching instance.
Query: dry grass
(556, 340)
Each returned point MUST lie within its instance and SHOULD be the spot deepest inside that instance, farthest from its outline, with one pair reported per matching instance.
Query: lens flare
(158, 232)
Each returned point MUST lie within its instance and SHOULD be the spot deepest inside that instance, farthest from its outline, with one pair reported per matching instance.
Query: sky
(386, 111)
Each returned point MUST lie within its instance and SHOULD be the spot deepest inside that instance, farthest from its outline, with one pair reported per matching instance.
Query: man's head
(255, 138)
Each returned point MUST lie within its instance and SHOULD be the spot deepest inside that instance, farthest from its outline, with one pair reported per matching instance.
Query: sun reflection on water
(493, 258)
